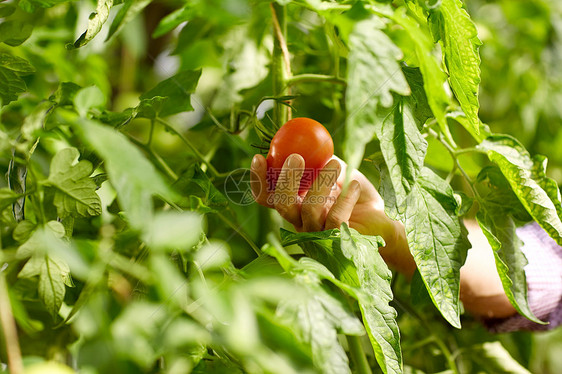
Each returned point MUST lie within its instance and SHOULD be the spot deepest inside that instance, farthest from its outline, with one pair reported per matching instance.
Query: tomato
(306, 137)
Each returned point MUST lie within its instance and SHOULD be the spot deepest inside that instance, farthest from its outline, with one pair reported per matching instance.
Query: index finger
(258, 180)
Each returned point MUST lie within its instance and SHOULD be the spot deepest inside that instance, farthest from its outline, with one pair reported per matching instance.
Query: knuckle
(335, 218)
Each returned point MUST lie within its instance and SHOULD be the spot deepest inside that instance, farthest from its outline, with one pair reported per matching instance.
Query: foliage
(128, 240)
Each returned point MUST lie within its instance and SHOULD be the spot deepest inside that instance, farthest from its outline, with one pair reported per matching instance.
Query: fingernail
(294, 161)
(255, 162)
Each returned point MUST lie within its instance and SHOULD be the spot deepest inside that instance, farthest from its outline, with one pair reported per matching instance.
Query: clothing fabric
(544, 282)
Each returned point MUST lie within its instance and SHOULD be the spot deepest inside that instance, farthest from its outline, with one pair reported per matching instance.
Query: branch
(9, 327)
(305, 78)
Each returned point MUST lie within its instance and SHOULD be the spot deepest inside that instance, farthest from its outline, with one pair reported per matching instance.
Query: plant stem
(194, 149)
(13, 352)
(240, 232)
(280, 63)
(358, 355)
(150, 134)
(159, 160)
(306, 78)
(440, 343)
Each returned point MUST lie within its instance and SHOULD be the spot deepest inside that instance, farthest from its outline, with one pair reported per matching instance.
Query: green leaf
(403, 148)
(134, 178)
(64, 95)
(361, 272)
(374, 277)
(373, 74)
(88, 98)
(173, 20)
(177, 90)
(7, 198)
(39, 242)
(195, 183)
(95, 23)
(6, 10)
(76, 191)
(196, 29)
(418, 102)
(128, 12)
(173, 231)
(31, 5)
(11, 84)
(320, 316)
(501, 196)
(494, 358)
(51, 286)
(32, 267)
(452, 25)
(499, 229)
(437, 239)
(538, 193)
(433, 77)
(16, 64)
(15, 32)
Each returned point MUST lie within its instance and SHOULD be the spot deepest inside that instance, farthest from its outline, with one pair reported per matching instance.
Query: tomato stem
(358, 355)
(306, 78)
(280, 63)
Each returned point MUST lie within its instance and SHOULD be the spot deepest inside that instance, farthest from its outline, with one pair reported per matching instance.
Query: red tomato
(306, 137)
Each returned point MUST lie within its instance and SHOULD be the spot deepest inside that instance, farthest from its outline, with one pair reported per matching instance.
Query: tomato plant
(305, 137)
(128, 244)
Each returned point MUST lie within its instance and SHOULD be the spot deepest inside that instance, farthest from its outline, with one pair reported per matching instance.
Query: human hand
(324, 206)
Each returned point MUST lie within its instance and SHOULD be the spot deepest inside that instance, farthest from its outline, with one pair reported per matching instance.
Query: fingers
(315, 204)
(286, 199)
(258, 180)
(342, 209)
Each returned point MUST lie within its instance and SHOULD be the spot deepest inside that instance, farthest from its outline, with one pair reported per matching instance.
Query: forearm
(481, 290)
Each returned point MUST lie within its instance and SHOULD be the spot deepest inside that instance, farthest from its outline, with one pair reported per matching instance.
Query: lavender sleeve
(544, 282)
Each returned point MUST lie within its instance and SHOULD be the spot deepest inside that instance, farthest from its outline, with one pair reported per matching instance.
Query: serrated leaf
(95, 23)
(373, 74)
(195, 183)
(403, 148)
(177, 90)
(51, 286)
(128, 12)
(437, 239)
(40, 241)
(538, 193)
(499, 229)
(320, 316)
(130, 173)
(16, 64)
(11, 85)
(433, 78)
(374, 277)
(359, 270)
(452, 25)
(76, 191)
(418, 99)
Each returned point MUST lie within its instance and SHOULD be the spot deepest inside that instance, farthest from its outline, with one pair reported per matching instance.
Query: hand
(325, 206)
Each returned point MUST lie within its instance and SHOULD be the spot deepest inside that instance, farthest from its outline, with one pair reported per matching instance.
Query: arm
(325, 207)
